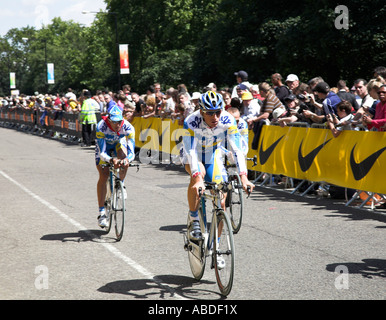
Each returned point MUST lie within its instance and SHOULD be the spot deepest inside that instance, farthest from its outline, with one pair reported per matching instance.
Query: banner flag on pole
(124, 58)
(12, 80)
(50, 73)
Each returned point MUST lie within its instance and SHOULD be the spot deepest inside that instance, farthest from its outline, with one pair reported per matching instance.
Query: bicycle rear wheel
(196, 251)
(118, 209)
(236, 202)
(224, 253)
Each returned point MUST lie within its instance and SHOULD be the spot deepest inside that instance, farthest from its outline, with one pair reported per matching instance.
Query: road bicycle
(235, 197)
(217, 243)
(115, 201)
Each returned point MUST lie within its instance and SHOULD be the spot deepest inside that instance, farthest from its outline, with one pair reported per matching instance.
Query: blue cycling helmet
(211, 101)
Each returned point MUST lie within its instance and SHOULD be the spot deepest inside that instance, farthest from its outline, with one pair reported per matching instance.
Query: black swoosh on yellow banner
(361, 169)
(306, 162)
(265, 154)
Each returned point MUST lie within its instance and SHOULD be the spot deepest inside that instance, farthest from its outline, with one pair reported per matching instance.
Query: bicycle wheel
(196, 251)
(236, 202)
(108, 201)
(224, 253)
(119, 209)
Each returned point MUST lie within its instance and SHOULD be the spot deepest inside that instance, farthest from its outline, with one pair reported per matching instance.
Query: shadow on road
(368, 268)
(162, 287)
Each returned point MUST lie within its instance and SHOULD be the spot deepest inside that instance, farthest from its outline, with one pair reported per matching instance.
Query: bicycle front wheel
(108, 202)
(224, 253)
(236, 202)
(119, 209)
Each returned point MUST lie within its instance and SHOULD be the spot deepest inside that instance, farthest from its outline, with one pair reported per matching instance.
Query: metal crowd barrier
(55, 123)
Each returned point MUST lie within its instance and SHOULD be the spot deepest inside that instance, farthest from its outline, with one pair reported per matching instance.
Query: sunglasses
(116, 122)
(379, 92)
(212, 113)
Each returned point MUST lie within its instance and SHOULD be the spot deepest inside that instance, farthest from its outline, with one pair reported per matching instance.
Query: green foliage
(196, 42)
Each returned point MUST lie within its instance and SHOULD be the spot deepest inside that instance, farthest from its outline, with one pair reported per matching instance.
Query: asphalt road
(51, 247)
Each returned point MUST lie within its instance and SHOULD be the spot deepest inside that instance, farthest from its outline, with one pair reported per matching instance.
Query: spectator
(330, 99)
(293, 83)
(211, 87)
(149, 108)
(291, 108)
(70, 95)
(379, 120)
(344, 94)
(88, 118)
(270, 103)
(256, 94)
(127, 91)
(227, 99)
(157, 88)
(343, 119)
(184, 98)
(281, 90)
(250, 108)
(313, 82)
(380, 71)
(195, 98)
(236, 103)
(241, 78)
(128, 111)
(139, 104)
(361, 89)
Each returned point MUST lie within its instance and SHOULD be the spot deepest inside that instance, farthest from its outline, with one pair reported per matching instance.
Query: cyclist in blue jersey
(209, 133)
(115, 143)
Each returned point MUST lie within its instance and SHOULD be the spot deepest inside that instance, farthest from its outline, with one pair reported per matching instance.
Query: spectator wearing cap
(292, 82)
(195, 99)
(281, 90)
(291, 106)
(330, 99)
(241, 78)
(250, 109)
(240, 89)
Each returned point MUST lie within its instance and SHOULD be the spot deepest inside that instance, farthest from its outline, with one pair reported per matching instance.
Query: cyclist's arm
(190, 147)
(234, 141)
(130, 146)
(101, 145)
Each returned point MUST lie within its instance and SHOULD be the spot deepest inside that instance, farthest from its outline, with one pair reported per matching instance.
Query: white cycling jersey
(200, 142)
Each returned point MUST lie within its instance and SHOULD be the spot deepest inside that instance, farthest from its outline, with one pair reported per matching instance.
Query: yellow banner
(353, 160)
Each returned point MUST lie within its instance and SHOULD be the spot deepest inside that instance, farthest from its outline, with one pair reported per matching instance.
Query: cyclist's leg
(103, 176)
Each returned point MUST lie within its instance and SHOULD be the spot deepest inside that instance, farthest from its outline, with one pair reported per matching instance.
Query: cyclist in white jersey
(209, 132)
(114, 136)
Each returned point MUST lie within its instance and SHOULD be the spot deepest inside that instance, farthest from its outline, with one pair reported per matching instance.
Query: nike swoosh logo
(265, 154)
(361, 169)
(306, 162)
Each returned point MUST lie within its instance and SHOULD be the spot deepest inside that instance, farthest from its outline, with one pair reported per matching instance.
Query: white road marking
(108, 246)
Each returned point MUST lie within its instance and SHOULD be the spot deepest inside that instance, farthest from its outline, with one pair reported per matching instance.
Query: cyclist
(114, 136)
(208, 131)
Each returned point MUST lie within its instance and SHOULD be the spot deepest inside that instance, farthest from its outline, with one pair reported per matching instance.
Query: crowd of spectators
(281, 102)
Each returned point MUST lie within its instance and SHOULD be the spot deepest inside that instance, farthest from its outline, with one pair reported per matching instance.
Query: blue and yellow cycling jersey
(202, 143)
(108, 140)
(242, 126)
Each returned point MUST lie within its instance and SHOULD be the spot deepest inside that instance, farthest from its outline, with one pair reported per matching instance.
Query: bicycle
(218, 243)
(235, 199)
(115, 200)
